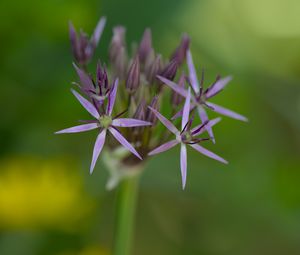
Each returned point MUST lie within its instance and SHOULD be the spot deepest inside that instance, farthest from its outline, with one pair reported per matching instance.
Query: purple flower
(200, 97)
(105, 122)
(186, 136)
(83, 48)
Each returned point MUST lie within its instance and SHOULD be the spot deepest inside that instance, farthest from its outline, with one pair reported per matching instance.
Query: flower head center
(105, 121)
(186, 137)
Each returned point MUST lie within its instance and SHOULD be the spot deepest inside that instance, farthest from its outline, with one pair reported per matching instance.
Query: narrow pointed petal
(208, 153)
(97, 149)
(186, 110)
(180, 90)
(77, 129)
(204, 118)
(226, 112)
(164, 147)
(112, 97)
(98, 31)
(124, 142)
(168, 124)
(86, 104)
(192, 72)
(202, 127)
(128, 122)
(183, 164)
(217, 87)
(85, 80)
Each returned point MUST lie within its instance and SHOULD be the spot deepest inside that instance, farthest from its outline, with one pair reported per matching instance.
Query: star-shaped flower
(186, 136)
(105, 122)
(200, 97)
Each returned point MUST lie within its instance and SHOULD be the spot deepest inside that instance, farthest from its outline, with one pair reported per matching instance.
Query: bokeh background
(49, 204)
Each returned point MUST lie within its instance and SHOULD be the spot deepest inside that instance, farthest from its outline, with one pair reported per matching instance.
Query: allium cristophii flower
(186, 136)
(140, 81)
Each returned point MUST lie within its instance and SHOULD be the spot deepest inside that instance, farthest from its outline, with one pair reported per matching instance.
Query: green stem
(125, 214)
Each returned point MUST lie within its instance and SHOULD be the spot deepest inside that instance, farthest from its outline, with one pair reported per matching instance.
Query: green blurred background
(49, 204)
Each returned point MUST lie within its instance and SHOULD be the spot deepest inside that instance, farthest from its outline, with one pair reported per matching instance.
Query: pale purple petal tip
(192, 72)
(112, 97)
(178, 89)
(128, 122)
(183, 164)
(227, 112)
(124, 142)
(204, 118)
(164, 147)
(98, 31)
(168, 124)
(97, 149)
(186, 110)
(208, 153)
(77, 129)
(217, 87)
(86, 104)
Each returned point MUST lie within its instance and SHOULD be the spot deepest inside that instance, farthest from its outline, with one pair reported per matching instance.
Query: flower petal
(98, 148)
(112, 97)
(186, 110)
(217, 87)
(124, 142)
(86, 104)
(178, 89)
(168, 124)
(128, 122)
(77, 129)
(183, 164)
(164, 147)
(208, 153)
(204, 119)
(98, 31)
(226, 112)
(202, 127)
(192, 72)
(84, 78)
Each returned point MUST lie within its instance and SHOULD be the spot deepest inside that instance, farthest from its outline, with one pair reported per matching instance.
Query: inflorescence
(136, 86)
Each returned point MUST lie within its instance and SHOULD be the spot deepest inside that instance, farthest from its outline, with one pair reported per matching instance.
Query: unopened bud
(170, 70)
(150, 116)
(180, 53)
(145, 46)
(133, 76)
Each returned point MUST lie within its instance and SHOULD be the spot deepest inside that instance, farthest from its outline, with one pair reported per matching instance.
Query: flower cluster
(137, 85)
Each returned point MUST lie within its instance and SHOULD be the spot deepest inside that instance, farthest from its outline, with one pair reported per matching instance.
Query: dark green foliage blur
(49, 204)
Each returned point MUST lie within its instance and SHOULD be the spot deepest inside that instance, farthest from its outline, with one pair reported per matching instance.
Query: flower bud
(153, 69)
(133, 76)
(145, 46)
(180, 53)
(150, 116)
(170, 70)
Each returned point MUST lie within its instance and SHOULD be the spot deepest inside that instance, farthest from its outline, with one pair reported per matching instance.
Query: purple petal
(112, 97)
(202, 127)
(164, 147)
(98, 31)
(124, 142)
(127, 122)
(178, 89)
(183, 164)
(208, 153)
(192, 72)
(86, 104)
(186, 110)
(169, 125)
(77, 129)
(226, 112)
(204, 118)
(217, 87)
(97, 149)
(85, 79)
